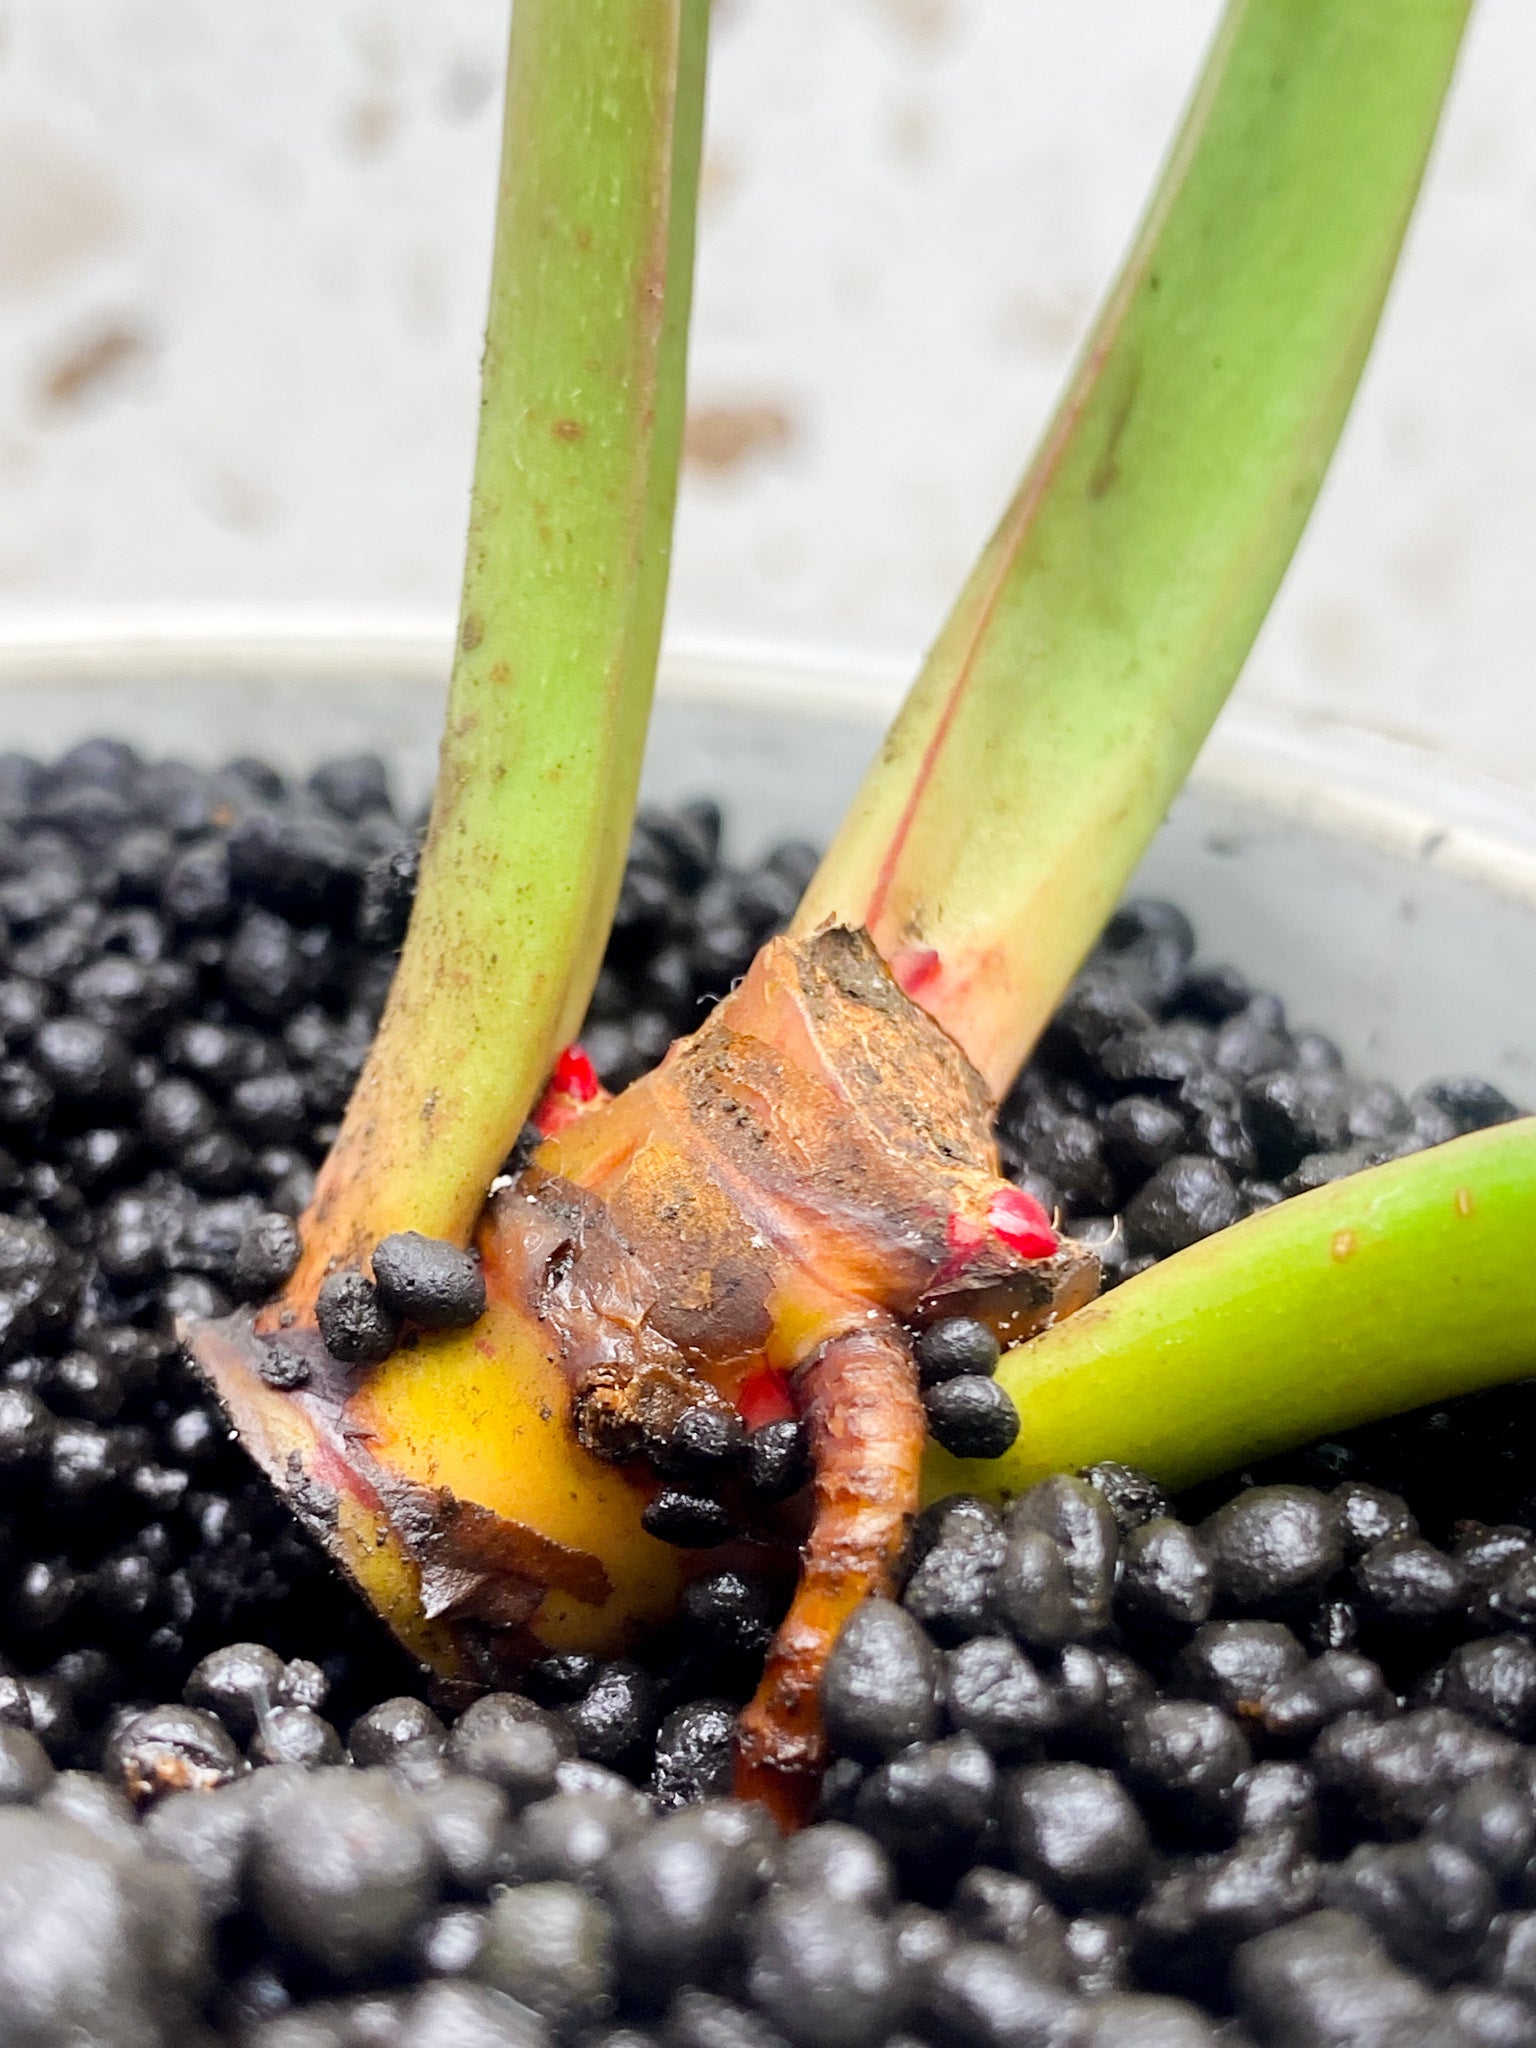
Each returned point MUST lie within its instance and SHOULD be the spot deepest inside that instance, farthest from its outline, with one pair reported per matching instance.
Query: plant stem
(1408, 1284)
(1108, 617)
(564, 582)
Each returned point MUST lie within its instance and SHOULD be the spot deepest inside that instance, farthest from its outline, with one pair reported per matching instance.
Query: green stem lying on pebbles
(1108, 617)
(1405, 1285)
(564, 583)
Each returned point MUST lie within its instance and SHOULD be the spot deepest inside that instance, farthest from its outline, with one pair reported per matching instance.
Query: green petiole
(1101, 630)
(564, 582)
(1402, 1286)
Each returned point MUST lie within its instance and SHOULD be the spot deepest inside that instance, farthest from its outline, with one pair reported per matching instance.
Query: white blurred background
(243, 253)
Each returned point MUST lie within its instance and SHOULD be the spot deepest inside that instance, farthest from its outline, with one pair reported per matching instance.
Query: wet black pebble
(551, 1948)
(1325, 1982)
(355, 1324)
(506, 1739)
(1274, 1546)
(981, 1996)
(1187, 1198)
(238, 1683)
(1471, 1105)
(268, 1254)
(971, 1417)
(777, 1463)
(1405, 1579)
(693, 1521)
(694, 1753)
(955, 1346)
(1236, 1663)
(617, 1717)
(1147, 2021)
(1182, 1758)
(1489, 2019)
(702, 2019)
(949, 1591)
(1491, 1680)
(469, 1822)
(1203, 1907)
(390, 1726)
(169, 1749)
(824, 1971)
(575, 1834)
(879, 1691)
(1077, 1832)
(729, 1612)
(1393, 1775)
(424, 1280)
(1429, 1902)
(996, 1905)
(209, 1834)
(993, 1691)
(1167, 1580)
(556, 1680)
(839, 1861)
(342, 1870)
(458, 2015)
(1291, 1114)
(1078, 1520)
(295, 1735)
(931, 1804)
(1371, 1515)
(1031, 1591)
(1338, 1682)
(25, 1769)
(1494, 1821)
(1134, 1497)
(677, 1890)
(704, 1446)
(96, 1943)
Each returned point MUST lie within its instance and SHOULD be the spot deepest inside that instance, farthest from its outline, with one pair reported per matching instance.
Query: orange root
(865, 1424)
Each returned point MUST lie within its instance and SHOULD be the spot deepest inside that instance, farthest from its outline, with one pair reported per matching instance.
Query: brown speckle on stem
(1464, 1202)
(1344, 1244)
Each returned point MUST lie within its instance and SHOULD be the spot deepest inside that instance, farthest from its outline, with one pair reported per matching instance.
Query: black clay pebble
(955, 1346)
(1076, 1831)
(972, 1417)
(676, 1891)
(824, 1970)
(551, 1948)
(268, 1253)
(1273, 1546)
(776, 1461)
(1167, 1580)
(880, 1688)
(357, 1327)
(341, 1868)
(423, 1280)
(693, 1521)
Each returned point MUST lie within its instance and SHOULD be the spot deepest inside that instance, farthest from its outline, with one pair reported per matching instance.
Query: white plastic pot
(1391, 903)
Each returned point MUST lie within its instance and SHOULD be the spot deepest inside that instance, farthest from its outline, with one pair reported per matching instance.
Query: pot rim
(1322, 773)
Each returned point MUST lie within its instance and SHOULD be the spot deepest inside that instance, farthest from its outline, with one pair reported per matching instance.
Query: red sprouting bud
(764, 1397)
(573, 1088)
(913, 968)
(575, 1075)
(1021, 1223)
